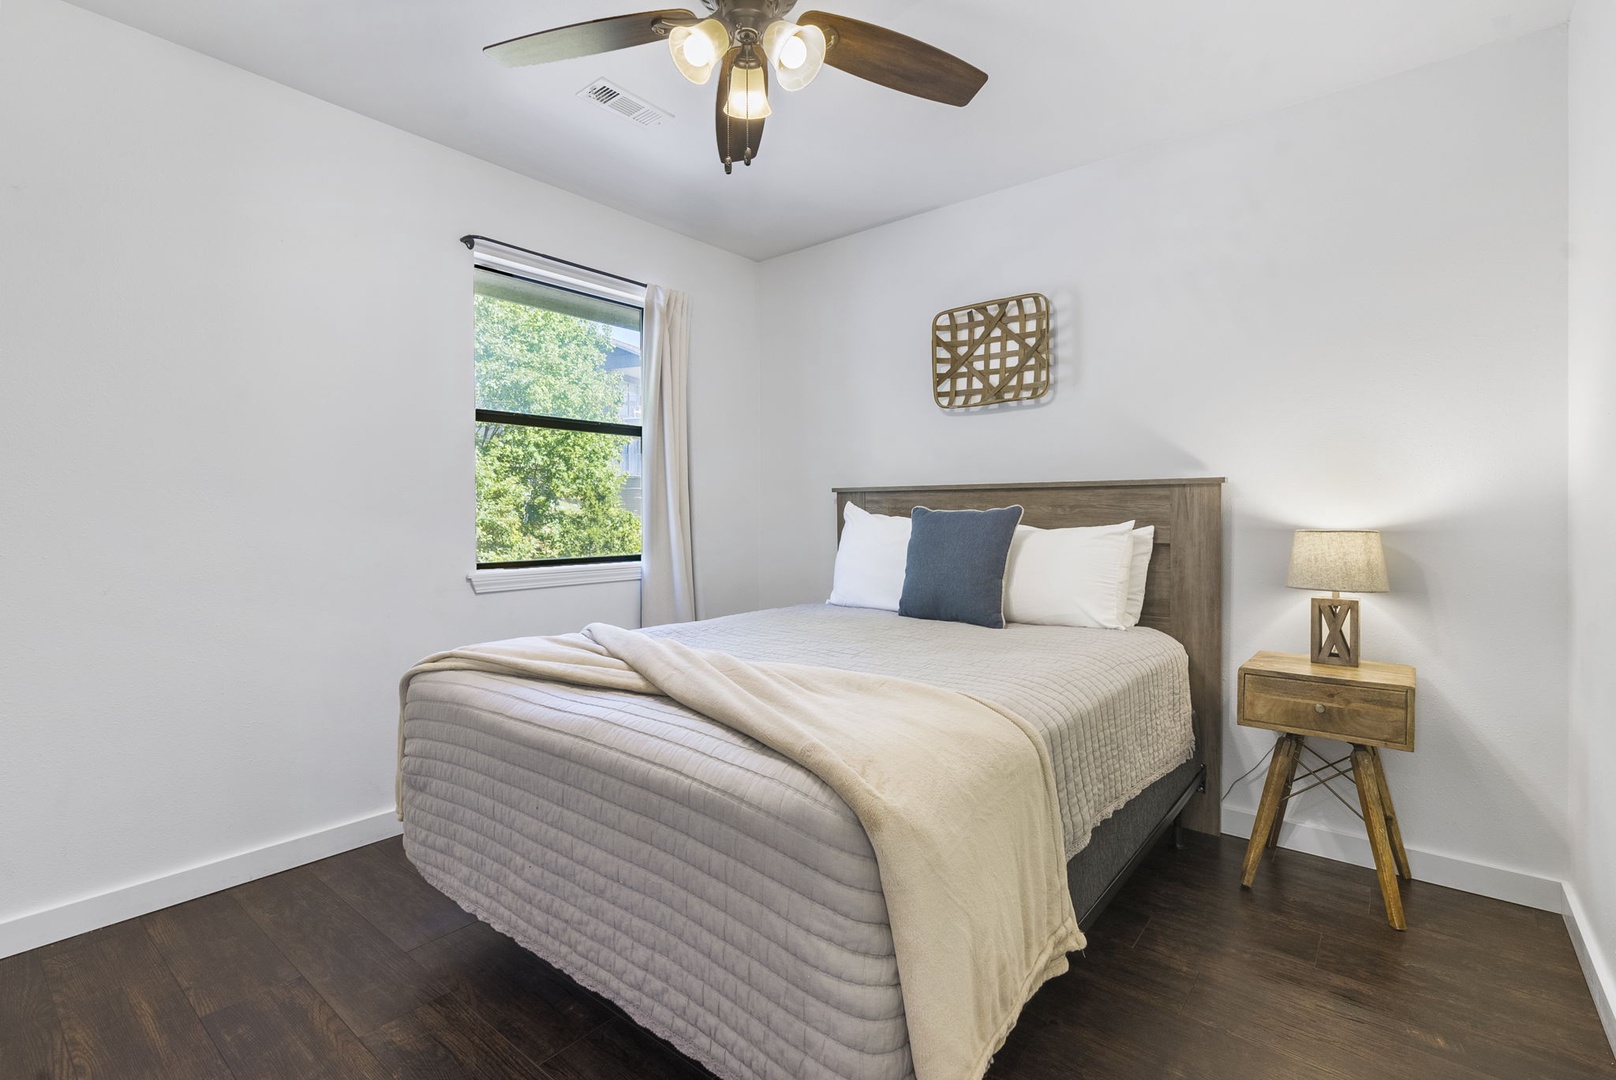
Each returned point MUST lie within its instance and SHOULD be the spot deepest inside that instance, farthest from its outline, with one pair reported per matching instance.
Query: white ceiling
(1072, 81)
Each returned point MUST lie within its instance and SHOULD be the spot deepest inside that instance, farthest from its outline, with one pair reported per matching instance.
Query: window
(558, 412)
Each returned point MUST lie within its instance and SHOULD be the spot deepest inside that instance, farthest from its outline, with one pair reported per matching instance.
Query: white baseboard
(1595, 964)
(36, 928)
(1515, 886)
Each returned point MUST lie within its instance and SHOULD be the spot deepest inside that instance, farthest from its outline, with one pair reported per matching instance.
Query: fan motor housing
(752, 14)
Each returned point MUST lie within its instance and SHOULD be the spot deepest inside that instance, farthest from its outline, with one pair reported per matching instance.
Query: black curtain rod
(472, 239)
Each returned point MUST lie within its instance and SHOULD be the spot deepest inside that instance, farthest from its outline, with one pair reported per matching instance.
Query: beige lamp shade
(1340, 561)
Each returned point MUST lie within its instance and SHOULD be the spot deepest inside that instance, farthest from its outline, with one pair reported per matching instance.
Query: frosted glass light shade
(795, 52)
(748, 94)
(1340, 561)
(698, 49)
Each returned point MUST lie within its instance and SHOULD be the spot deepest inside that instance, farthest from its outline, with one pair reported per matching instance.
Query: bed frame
(1183, 598)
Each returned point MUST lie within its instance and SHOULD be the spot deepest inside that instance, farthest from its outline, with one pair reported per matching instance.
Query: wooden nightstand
(1370, 706)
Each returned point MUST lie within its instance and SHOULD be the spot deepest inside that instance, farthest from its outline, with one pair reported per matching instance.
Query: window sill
(551, 577)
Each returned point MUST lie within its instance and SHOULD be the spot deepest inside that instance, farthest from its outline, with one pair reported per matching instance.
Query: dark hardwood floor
(354, 967)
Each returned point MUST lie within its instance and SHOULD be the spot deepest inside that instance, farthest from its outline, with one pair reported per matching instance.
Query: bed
(726, 898)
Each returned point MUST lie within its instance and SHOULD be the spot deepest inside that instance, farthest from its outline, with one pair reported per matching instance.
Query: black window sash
(565, 423)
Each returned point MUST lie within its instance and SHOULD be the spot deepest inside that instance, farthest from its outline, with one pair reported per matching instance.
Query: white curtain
(667, 579)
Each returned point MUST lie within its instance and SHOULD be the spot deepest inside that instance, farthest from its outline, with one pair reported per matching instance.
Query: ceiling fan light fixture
(698, 49)
(729, 42)
(795, 51)
(747, 95)
(738, 136)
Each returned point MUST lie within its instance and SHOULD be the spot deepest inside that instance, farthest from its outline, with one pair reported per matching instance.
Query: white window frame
(547, 270)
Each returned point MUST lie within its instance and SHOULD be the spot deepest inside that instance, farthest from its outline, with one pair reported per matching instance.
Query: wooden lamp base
(1335, 631)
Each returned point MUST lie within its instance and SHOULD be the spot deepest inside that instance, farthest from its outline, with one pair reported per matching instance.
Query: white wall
(1354, 310)
(1593, 494)
(235, 452)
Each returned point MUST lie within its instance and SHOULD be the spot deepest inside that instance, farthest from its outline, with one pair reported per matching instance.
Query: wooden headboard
(1183, 592)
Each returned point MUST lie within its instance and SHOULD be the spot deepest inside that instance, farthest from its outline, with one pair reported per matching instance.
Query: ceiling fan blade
(890, 59)
(587, 38)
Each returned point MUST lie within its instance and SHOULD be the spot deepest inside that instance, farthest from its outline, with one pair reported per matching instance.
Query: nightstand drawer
(1357, 714)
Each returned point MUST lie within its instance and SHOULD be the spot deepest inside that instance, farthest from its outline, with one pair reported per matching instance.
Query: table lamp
(1341, 561)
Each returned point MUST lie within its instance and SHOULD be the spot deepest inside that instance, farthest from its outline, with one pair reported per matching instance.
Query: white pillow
(1069, 577)
(870, 560)
(1144, 542)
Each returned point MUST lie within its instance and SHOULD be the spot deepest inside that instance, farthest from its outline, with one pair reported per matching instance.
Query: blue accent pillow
(956, 565)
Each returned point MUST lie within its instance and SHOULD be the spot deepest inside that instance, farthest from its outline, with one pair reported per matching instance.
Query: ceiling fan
(743, 40)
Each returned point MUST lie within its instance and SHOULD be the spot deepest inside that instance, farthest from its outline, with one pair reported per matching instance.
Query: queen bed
(727, 898)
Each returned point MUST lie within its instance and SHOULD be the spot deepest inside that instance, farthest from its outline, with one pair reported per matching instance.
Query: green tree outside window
(547, 493)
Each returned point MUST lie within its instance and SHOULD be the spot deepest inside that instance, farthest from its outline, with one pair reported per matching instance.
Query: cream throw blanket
(957, 796)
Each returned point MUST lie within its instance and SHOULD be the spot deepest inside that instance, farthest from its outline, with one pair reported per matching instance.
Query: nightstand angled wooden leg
(1284, 798)
(1286, 751)
(1374, 814)
(1391, 818)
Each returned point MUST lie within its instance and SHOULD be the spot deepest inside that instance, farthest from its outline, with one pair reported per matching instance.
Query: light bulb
(696, 49)
(699, 51)
(795, 51)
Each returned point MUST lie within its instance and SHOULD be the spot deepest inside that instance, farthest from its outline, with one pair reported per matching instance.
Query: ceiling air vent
(611, 96)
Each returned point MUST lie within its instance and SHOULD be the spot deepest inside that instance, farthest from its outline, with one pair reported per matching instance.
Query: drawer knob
(1318, 708)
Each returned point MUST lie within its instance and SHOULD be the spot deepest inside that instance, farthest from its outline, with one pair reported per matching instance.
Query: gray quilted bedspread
(723, 896)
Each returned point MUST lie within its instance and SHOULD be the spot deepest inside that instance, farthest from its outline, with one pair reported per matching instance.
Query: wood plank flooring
(355, 968)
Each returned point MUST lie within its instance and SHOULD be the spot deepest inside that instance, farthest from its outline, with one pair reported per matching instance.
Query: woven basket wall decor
(991, 353)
